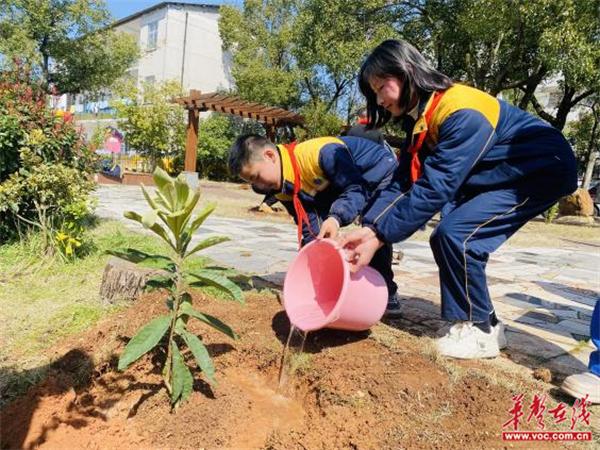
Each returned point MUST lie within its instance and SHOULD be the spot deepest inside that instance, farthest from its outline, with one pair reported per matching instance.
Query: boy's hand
(360, 246)
(329, 228)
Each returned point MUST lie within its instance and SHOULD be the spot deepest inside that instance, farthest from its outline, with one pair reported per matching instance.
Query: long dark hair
(398, 59)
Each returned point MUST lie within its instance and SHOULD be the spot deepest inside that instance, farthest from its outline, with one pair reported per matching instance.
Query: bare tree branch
(581, 97)
(313, 96)
(339, 87)
(540, 110)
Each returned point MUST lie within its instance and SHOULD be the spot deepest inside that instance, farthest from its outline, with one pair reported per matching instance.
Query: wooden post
(270, 130)
(191, 141)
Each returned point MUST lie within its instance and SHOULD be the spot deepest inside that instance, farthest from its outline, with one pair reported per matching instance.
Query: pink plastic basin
(320, 292)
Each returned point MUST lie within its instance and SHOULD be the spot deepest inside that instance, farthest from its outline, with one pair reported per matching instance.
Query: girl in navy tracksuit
(488, 166)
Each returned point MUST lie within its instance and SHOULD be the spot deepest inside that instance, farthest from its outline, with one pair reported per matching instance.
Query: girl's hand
(329, 229)
(360, 246)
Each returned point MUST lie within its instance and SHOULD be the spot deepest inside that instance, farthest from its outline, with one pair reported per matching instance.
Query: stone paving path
(545, 296)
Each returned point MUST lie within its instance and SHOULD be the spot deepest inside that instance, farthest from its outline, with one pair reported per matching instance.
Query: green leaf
(179, 325)
(161, 178)
(149, 199)
(163, 201)
(188, 208)
(144, 341)
(171, 196)
(215, 279)
(179, 219)
(186, 308)
(185, 240)
(149, 218)
(156, 228)
(144, 259)
(188, 385)
(171, 222)
(160, 282)
(199, 220)
(208, 242)
(166, 188)
(201, 354)
(182, 190)
(193, 199)
(182, 379)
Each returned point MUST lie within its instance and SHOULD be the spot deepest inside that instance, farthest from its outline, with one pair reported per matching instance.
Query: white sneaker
(465, 341)
(578, 385)
(498, 331)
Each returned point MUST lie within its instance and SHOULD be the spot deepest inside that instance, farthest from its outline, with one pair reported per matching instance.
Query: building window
(152, 35)
(150, 79)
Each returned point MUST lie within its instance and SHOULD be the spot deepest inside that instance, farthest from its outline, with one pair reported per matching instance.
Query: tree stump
(124, 280)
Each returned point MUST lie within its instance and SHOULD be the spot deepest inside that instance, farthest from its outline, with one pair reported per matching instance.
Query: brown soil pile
(376, 390)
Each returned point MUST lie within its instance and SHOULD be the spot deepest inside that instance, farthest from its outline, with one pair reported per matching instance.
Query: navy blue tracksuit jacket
(338, 178)
(491, 167)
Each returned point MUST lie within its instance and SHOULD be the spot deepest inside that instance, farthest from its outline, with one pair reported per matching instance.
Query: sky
(124, 8)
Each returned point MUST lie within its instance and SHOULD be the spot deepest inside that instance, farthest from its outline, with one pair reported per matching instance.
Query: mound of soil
(375, 389)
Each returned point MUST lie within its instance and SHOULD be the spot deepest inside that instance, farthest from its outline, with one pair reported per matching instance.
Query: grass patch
(68, 320)
(46, 299)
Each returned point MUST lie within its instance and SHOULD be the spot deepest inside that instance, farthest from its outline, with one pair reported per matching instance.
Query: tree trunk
(530, 86)
(124, 280)
(589, 170)
(564, 107)
(45, 63)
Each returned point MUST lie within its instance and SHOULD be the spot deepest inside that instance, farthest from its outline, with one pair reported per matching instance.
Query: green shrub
(45, 167)
(318, 122)
(216, 133)
(154, 125)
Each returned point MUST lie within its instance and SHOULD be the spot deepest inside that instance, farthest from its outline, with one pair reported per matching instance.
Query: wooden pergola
(271, 117)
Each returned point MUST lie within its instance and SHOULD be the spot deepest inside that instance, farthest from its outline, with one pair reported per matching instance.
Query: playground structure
(133, 169)
(196, 102)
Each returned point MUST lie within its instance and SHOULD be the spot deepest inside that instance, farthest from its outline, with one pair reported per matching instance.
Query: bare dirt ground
(381, 389)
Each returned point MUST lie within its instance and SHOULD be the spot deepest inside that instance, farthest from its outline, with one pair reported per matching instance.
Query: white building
(178, 41)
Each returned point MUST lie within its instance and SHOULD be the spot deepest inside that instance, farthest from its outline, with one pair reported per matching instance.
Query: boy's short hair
(246, 148)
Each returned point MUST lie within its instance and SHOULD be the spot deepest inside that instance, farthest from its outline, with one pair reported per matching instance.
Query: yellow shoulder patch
(463, 97)
(307, 153)
(287, 170)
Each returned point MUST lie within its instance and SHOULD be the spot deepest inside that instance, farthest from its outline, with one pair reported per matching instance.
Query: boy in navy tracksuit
(488, 166)
(338, 177)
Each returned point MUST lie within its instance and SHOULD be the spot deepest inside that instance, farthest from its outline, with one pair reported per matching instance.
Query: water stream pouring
(320, 292)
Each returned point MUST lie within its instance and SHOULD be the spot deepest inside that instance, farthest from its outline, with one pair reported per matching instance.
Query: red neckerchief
(415, 164)
(301, 215)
